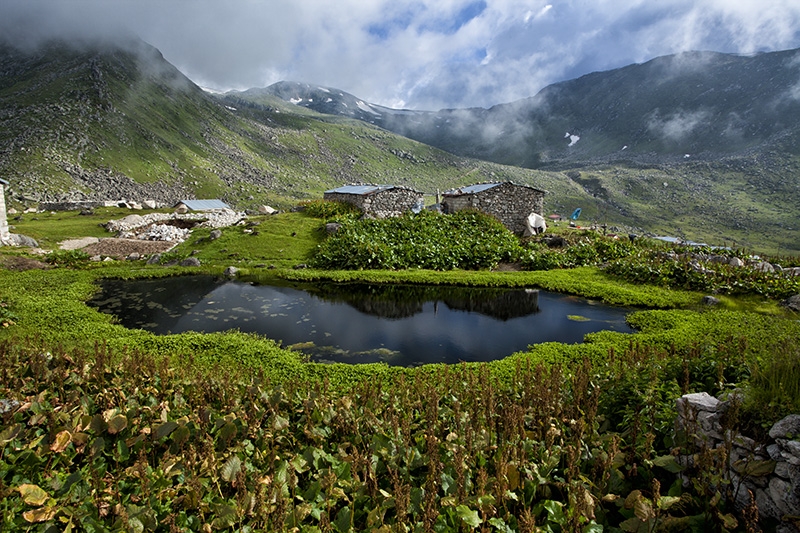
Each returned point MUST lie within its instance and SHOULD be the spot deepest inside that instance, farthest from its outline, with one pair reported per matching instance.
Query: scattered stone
(792, 302)
(190, 262)
(267, 210)
(786, 428)
(215, 234)
(710, 300)
(763, 266)
(154, 259)
(15, 239)
(736, 262)
(133, 257)
(149, 204)
(231, 272)
(332, 227)
(300, 266)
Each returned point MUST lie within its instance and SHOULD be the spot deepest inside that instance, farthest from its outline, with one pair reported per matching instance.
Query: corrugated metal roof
(4, 182)
(360, 189)
(204, 205)
(471, 189)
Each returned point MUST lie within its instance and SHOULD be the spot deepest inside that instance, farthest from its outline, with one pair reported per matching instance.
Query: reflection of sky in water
(436, 334)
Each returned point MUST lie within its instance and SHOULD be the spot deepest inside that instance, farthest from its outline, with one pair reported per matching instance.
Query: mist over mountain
(109, 119)
(700, 105)
(702, 146)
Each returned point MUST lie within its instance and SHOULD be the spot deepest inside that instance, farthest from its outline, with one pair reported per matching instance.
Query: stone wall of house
(382, 204)
(510, 203)
(768, 473)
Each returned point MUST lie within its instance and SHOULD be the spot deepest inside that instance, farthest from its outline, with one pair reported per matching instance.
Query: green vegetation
(106, 428)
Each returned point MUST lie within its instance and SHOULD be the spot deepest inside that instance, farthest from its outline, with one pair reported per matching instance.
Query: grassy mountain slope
(104, 122)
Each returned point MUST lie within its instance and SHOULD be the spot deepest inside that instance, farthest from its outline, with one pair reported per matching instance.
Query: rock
(149, 204)
(154, 259)
(786, 428)
(792, 302)
(215, 234)
(190, 262)
(267, 210)
(96, 258)
(698, 401)
(182, 210)
(332, 227)
(763, 266)
(300, 266)
(231, 272)
(15, 239)
(718, 259)
(736, 262)
(133, 257)
(710, 300)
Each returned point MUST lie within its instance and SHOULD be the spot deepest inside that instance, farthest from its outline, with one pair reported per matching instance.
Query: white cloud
(424, 53)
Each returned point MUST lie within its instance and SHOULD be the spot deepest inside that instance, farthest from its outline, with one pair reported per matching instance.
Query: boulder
(267, 210)
(190, 262)
(786, 428)
(736, 262)
(710, 300)
(792, 302)
(231, 272)
(332, 227)
(215, 234)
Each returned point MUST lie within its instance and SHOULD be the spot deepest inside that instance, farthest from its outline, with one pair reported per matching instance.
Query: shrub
(327, 209)
(467, 240)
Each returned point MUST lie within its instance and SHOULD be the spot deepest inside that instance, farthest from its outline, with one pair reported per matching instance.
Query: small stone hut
(508, 202)
(379, 201)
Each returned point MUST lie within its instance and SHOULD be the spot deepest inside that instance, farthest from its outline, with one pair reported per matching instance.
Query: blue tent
(575, 214)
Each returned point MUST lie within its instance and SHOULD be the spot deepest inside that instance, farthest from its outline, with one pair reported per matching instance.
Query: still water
(358, 323)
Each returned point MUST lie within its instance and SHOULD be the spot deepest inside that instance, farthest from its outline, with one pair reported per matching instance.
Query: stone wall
(768, 473)
(508, 202)
(4, 235)
(383, 203)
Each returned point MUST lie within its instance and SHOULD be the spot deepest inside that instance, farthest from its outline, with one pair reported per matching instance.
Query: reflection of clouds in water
(438, 333)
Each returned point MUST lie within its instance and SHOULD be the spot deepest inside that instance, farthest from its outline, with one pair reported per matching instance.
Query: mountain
(111, 120)
(700, 105)
(699, 145)
(101, 120)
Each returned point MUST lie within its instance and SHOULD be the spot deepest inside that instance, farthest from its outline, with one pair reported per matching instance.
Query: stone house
(379, 201)
(508, 202)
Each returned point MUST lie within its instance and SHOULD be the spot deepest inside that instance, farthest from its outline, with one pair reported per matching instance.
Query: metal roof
(204, 205)
(360, 189)
(471, 189)
(4, 182)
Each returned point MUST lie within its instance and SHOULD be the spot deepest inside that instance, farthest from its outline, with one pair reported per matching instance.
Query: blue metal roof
(360, 189)
(204, 205)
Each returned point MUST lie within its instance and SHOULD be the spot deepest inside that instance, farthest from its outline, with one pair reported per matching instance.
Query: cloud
(427, 54)
(677, 126)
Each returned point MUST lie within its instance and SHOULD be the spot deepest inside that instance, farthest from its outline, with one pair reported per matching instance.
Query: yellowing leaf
(117, 424)
(32, 494)
(42, 514)
(61, 441)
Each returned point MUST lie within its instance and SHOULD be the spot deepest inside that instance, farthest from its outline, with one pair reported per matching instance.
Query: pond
(404, 325)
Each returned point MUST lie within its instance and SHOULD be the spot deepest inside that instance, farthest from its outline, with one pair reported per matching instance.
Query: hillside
(117, 121)
(105, 121)
(699, 145)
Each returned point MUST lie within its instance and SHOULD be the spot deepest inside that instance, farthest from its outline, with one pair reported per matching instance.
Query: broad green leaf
(165, 429)
(668, 463)
(500, 525)
(468, 516)
(32, 494)
(754, 468)
(231, 468)
(665, 502)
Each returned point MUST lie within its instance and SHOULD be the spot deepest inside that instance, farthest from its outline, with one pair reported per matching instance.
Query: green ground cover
(118, 429)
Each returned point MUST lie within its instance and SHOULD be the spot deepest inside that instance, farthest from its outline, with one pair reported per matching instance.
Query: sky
(414, 54)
